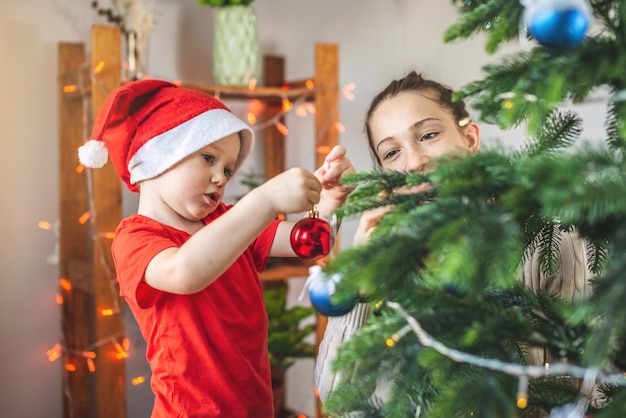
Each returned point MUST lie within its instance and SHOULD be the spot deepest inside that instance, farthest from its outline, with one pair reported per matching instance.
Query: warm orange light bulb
(44, 225)
(54, 353)
(310, 84)
(301, 110)
(339, 127)
(121, 352)
(393, 340)
(59, 299)
(323, 149)
(287, 105)
(65, 284)
(256, 106)
(107, 312)
(136, 381)
(70, 88)
(251, 118)
(522, 392)
(98, 67)
(84, 218)
(347, 91)
(91, 366)
(282, 129)
(80, 168)
(89, 354)
(70, 367)
(252, 84)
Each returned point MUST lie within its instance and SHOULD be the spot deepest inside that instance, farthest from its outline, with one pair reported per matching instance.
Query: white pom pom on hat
(147, 126)
(93, 154)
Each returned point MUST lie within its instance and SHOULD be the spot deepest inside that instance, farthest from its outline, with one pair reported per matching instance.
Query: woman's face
(411, 129)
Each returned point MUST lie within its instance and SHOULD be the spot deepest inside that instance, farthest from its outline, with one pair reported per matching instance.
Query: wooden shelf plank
(261, 93)
(286, 270)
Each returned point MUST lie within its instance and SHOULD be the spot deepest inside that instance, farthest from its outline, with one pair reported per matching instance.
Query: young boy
(187, 263)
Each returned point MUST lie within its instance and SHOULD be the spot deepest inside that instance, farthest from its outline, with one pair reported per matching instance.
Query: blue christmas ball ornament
(322, 289)
(558, 24)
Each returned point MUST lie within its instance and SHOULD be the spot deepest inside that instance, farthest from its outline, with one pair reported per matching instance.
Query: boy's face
(195, 186)
(411, 129)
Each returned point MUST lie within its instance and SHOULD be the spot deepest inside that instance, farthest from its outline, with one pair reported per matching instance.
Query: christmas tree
(453, 325)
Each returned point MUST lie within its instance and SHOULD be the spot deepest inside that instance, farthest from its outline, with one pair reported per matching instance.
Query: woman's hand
(334, 194)
(368, 222)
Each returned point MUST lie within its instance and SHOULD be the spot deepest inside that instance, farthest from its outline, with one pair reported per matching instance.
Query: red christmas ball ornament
(312, 237)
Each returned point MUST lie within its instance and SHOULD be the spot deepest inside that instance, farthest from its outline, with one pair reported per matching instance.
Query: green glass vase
(236, 54)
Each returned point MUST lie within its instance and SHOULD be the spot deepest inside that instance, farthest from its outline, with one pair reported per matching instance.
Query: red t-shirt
(207, 351)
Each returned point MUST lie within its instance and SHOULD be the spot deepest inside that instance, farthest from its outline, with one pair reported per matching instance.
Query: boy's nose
(219, 179)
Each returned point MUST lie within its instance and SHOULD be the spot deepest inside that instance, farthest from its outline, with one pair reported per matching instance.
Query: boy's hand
(295, 190)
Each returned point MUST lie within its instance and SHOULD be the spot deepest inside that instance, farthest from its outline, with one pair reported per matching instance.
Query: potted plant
(224, 3)
(236, 51)
(287, 338)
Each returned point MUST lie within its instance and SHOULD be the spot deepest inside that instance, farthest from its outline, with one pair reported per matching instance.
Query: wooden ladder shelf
(92, 311)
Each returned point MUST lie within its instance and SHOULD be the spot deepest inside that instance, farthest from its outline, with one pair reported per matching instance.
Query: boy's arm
(209, 252)
(281, 247)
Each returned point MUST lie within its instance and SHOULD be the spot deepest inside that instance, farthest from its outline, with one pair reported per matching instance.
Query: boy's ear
(472, 133)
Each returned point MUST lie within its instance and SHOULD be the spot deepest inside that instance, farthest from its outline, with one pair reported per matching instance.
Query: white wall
(379, 40)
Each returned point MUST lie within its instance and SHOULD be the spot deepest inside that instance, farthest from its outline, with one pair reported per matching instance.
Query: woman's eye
(390, 154)
(429, 136)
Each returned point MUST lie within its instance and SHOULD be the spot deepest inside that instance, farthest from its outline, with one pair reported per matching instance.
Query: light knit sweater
(570, 283)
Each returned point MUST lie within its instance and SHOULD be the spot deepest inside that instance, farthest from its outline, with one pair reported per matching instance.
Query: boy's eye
(229, 173)
(208, 158)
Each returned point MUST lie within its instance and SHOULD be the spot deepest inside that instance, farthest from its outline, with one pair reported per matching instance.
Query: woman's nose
(416, 161)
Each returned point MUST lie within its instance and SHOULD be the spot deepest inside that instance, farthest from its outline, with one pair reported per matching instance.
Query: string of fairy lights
(590, 375)
(81, 80)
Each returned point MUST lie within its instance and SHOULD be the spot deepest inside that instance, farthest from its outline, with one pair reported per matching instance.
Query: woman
(410, 124)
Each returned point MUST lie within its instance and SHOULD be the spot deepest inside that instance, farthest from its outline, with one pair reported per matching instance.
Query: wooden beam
(74, 237)
(326, 99)
(326, 133)
(107, 205)
(274, 75)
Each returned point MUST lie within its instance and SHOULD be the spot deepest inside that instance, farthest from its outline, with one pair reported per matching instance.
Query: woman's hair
(414, 82)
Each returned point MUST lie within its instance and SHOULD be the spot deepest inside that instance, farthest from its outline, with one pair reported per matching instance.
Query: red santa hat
(147, 126)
